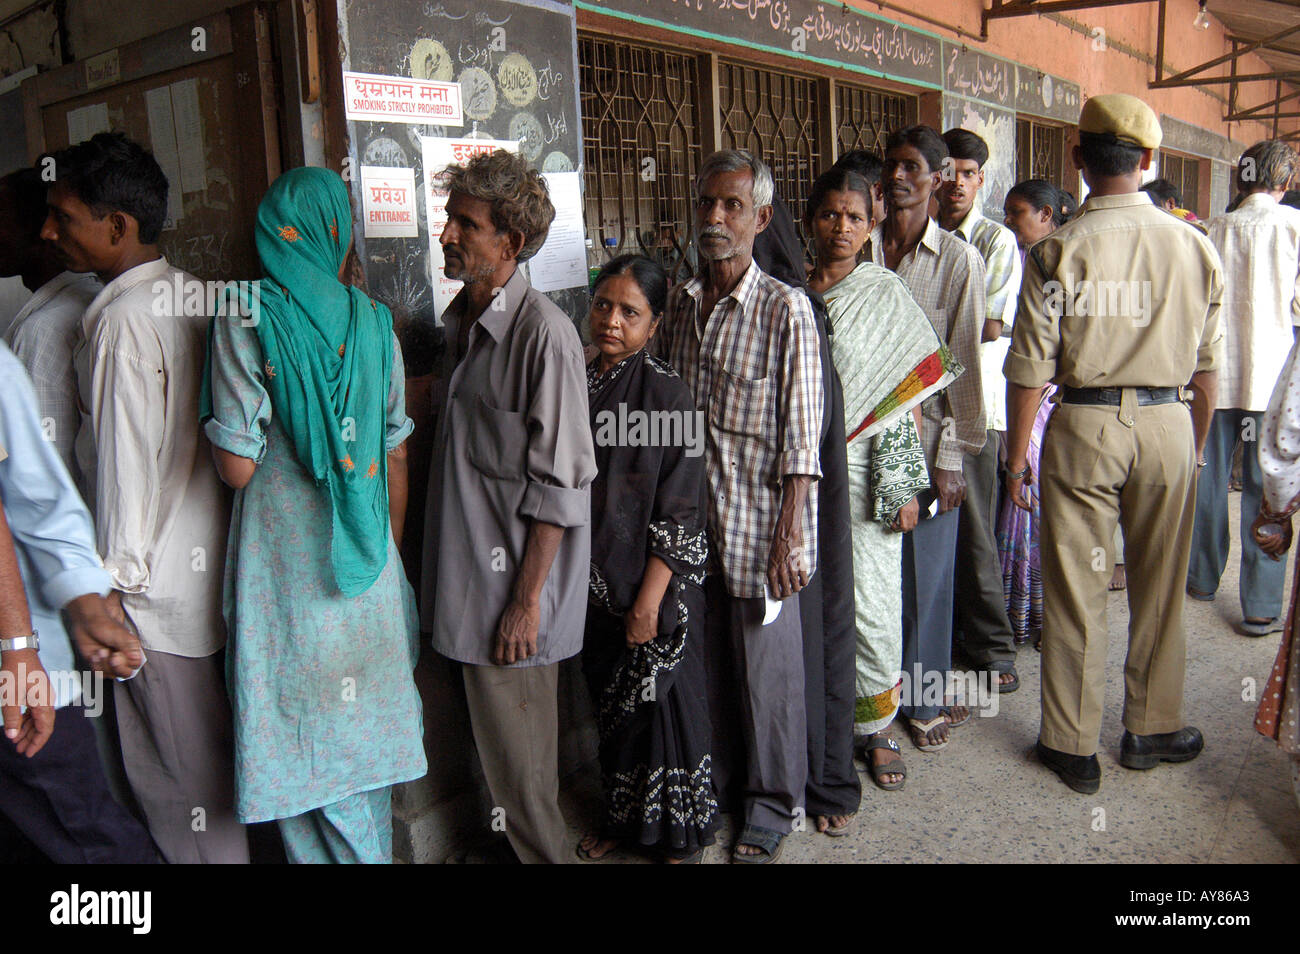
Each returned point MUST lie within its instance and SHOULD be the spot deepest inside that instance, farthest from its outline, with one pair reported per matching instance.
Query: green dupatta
(328, 354)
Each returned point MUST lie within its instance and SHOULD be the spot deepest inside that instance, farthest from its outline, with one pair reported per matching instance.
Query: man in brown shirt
(1121, 446)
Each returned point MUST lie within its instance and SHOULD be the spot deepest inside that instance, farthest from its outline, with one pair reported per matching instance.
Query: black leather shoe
(1148, 751)
(1081, 772)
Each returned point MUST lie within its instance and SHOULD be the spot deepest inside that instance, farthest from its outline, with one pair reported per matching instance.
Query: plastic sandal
(768, 842)
(919, 730)
(893, 768)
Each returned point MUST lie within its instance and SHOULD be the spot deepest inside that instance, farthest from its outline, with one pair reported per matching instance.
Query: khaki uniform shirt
(1124, 295)
(514, 445)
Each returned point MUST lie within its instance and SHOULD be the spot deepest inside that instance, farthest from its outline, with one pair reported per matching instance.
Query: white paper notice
(561, 262)
(388, 202)
(86, 121)
(189, 135)
(162, 137)
(437, 155)
(400, 99)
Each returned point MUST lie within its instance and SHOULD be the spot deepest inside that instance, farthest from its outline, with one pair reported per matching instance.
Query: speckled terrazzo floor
(985, 798)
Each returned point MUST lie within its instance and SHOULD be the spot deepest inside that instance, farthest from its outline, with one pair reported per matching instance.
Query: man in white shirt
(1259, 244)
(44, 332)
(981, 609)
(161, 517)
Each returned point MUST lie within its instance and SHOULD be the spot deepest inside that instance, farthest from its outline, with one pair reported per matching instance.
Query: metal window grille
(775, 116)
(640, 112)
(1040, 152)
(865, 117)
(1184, 173)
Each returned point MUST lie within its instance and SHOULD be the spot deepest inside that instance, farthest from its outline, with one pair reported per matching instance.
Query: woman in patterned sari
(1278, 716)
(889, 360)
(1034, 209)
(642, 654)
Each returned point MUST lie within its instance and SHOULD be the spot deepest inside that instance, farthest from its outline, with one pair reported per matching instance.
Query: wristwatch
(20, 642)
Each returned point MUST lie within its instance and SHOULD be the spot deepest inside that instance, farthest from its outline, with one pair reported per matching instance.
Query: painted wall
(1101, 65)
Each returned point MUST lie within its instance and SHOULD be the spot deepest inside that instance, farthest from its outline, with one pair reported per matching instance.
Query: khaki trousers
(1098, 469)
(514, 714)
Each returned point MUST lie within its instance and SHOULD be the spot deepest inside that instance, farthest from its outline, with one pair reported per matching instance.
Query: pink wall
(1053, 47)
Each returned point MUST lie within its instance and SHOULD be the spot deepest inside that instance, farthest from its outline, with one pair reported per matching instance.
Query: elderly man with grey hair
(747, 347)
(1259, 243)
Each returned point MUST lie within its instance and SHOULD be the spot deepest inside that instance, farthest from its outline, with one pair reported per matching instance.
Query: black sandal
(768, 843)
(896, 767)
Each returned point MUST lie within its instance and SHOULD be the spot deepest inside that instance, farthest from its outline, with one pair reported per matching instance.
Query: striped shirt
(754, 370)
(946, 277)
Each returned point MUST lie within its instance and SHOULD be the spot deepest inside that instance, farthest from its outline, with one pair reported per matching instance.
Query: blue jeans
(1262, 578)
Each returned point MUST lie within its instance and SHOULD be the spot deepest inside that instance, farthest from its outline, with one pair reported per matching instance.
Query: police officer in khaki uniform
(1120, 309)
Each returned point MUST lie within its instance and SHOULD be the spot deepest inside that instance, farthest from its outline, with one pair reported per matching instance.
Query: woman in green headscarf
(303, 401)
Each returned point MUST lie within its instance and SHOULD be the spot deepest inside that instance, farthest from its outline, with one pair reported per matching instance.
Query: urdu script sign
(829, 32)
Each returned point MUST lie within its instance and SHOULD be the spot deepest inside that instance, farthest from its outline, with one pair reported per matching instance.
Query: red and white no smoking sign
(399, 99)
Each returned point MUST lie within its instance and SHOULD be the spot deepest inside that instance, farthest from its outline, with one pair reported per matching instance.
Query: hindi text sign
(398, 99)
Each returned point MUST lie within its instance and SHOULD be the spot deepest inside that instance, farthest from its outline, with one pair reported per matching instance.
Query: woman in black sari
(642, 654)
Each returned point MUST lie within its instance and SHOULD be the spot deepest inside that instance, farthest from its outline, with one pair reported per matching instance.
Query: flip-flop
(893, 768)
(1005, 687)
(1201, 597)
(768, 842)
(839, 831)
(948, 706)
(586, 855)
(919, 730)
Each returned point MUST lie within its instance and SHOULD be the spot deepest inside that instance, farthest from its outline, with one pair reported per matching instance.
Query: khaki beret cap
(1125, 117)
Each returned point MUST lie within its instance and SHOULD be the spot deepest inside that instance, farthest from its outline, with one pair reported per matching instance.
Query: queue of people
(848, 477)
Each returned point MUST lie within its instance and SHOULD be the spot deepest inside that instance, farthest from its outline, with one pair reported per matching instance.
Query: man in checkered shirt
(747, 347)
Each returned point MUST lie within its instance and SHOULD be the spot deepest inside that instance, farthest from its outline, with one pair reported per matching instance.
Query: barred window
(641, 148)
(1184, 173)
(865, 117)
(774, 115)
(1040, 152)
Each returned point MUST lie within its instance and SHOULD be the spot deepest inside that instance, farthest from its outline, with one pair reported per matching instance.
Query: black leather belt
(1111, 396)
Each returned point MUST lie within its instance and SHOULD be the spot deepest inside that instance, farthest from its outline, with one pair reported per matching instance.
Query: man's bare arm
(516, 638)
(1205, 393)
(787, 566)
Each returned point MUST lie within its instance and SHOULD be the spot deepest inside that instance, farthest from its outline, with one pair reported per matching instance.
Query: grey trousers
(981, 608)
(514, 714)
(929, 552)
(1262, 579)
(174, 723)
(756, 695)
